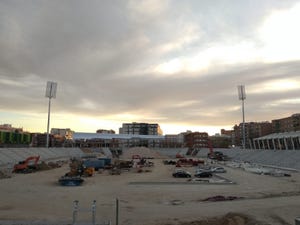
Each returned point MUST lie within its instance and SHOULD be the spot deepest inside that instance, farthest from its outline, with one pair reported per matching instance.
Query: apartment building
(287, 124)
(195, 140)
(252, 130)
(140, 129)
(172, 141)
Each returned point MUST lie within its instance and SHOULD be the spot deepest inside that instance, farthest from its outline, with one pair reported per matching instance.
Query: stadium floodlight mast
(242, 96)
(50, 93)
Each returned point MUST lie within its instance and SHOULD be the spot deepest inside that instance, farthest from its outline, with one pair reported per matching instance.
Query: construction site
(142, 186)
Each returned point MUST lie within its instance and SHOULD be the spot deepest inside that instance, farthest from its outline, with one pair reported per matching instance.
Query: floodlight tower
(50, 93)
(242, 96)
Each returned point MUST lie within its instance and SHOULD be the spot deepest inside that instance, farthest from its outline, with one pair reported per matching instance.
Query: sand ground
(147, 198)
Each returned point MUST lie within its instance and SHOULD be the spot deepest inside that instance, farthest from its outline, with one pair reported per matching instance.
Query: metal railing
(77, 209)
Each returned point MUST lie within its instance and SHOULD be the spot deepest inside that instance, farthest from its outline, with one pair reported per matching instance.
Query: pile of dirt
(86, 150)
(50, 165)
(142, 152)
(4, 174)
(228, 219)
(219, 198)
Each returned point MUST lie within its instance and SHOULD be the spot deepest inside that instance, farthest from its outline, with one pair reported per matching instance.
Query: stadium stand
(276, 158)
(11, 156)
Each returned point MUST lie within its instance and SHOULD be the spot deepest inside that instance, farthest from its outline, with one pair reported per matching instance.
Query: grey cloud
(210, 96)
(98, 53)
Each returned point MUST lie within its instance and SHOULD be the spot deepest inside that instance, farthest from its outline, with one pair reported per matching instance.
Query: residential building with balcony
(252, 130)
(194, 141)
(140, 129)
(287, 124)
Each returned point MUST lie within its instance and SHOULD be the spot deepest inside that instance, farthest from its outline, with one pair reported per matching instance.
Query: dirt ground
(150, 198)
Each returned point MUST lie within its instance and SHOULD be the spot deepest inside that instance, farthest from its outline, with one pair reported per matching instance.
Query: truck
(97, 163)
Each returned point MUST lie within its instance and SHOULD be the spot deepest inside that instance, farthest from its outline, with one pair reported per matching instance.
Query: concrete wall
(11, 156)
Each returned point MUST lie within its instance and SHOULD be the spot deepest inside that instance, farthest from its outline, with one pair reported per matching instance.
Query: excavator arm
(25, 165)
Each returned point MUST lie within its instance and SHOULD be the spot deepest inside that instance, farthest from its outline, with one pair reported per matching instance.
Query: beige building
(67, 132)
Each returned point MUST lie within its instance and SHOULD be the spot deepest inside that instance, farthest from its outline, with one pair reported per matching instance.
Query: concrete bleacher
(11, 156)
(171, 152)
(277, 158)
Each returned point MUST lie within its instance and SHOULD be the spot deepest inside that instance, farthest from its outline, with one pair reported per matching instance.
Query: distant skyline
(217, 130)
(175, 63)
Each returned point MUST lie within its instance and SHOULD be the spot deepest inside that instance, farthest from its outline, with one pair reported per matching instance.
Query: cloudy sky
(172, 62)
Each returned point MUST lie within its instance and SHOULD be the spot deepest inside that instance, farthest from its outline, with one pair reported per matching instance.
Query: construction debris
(4, 174)
(228, 219)
(115, 171)
(48, 166)
(259, 169)
(189, 162)
(218, 198)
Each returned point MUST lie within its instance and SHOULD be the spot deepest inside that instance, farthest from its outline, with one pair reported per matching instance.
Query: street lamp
(242, 96)
(50, 93)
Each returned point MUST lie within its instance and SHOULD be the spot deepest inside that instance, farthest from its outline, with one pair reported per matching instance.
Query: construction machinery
(77, 168)
(27, 166)
(215, 154)
(189, 162)
(70, 181)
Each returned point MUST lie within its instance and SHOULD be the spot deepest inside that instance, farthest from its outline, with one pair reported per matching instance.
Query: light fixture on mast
(242, 96)
(50, 93)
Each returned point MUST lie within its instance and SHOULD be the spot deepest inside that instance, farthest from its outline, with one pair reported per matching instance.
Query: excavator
(215, 154)
(27, 166)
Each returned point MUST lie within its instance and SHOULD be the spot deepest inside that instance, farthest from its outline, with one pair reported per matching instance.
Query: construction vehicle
(70, 181)
(179, 156)
(27, 166)
(215, 154)
(123, 164)
(97, 163)
(189, 162)
(77, 168)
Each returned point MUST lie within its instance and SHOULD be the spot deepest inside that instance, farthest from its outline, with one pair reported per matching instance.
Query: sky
(172, 62)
